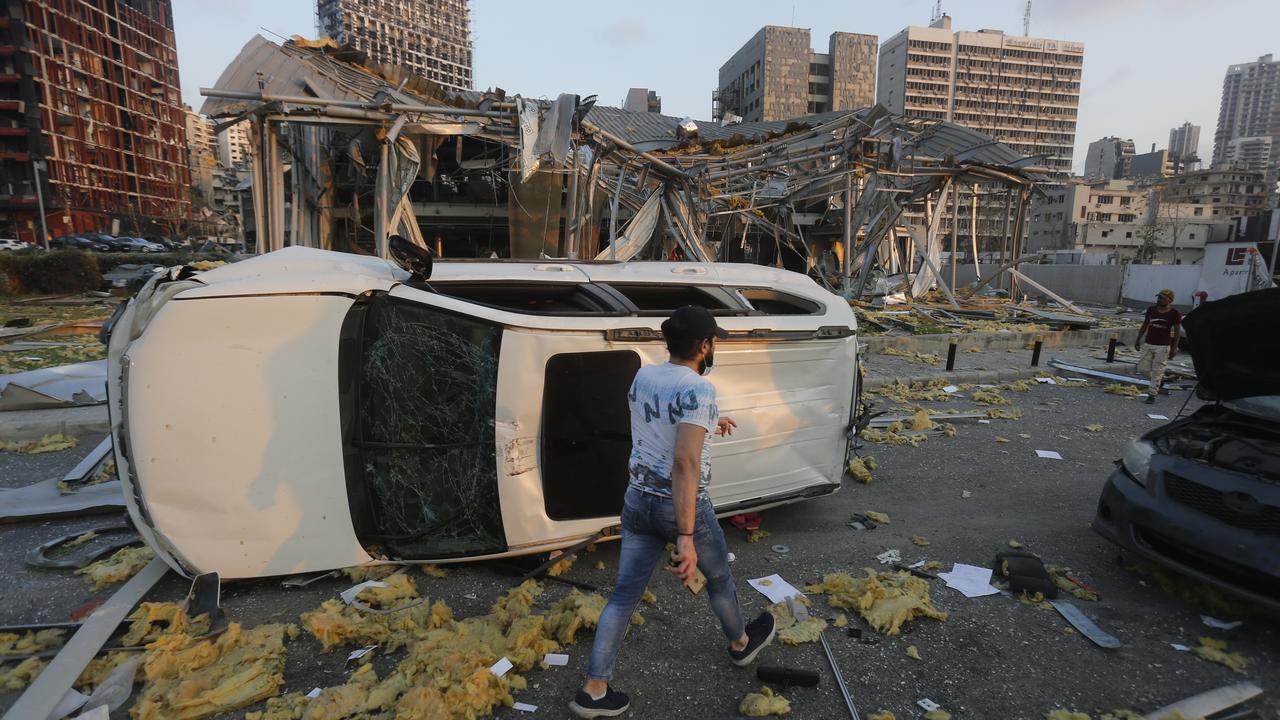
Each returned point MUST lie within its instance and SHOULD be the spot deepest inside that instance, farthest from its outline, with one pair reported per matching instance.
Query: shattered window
(427, 398)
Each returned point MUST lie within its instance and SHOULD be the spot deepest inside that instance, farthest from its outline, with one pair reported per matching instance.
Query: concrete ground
(992, 658)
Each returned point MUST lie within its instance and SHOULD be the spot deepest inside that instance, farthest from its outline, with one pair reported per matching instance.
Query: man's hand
(685, 557)
(725, 426)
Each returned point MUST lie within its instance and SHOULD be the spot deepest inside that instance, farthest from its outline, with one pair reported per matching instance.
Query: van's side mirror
(414, 258)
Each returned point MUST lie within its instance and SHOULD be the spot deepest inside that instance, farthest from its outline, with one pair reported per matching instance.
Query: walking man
(1161, 329)
(673, 408)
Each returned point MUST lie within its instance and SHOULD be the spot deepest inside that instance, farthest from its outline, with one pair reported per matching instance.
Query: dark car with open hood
(1202, 494)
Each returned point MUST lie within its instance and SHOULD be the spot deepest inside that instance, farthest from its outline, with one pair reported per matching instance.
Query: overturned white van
(309, 410)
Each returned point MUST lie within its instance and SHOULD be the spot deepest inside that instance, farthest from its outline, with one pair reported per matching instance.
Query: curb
(22, 425)
(990, 377)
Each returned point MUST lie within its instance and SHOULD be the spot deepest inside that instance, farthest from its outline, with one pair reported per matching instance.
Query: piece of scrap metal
(46, 500)
(89, 464)
(38, 556)
(1100, 374)
(1208, 703)
(1086, 626)
(52, 683)
(63, 386)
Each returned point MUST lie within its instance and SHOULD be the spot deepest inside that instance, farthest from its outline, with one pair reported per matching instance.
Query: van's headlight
(1137, 460)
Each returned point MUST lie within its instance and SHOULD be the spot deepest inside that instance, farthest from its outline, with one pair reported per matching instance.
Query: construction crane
(1026, 20)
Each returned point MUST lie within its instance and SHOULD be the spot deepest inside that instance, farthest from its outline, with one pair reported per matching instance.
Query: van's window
(426, 403)
(586, 433)
(772, 302)
(525, 297)
(662, 299)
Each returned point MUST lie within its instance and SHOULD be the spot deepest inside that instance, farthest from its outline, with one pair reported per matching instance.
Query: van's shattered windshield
(426, 401)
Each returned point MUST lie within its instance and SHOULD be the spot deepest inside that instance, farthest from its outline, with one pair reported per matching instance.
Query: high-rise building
(233, 146)
(776, 75)
(430, 37)
(642, 100)
(1256, 153)
(1250, 108)
(93, 118)
(1108, 159)
(1024, 92)
(1184, 146)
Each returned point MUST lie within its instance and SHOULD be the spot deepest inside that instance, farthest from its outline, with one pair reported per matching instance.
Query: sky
(1149, 65)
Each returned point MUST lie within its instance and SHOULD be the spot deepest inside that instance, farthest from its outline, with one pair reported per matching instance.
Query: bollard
(1035, 354)
(1111, 350)
(951, 356)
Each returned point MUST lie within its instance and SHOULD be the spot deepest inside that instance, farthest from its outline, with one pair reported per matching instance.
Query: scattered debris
(1215, 650)
(649, 597)
(920, 540)
(889, 557)
(48, 443)
(764, 703)
(891, 436)
(1015, 544)
(913, 653)
(1018, 386)
(916, 357)
(938, 714)
(600, 565)
(757, 535)
(120, 566)
(1126, 390)
(840, 621)
(561, 566)
(19, 676)
(1068, 583)
(915, 392)
(1206, 704)
(364, 573)
(885, 714)
(860, 468)
(1094, 427)
(792, 631)
(989, 396)
(435, 571)
(1000, 439)
(886, 601)
(774, 588)
(877, 517)
(1049, 454)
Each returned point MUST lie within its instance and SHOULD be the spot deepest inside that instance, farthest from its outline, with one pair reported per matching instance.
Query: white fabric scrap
(889, 556)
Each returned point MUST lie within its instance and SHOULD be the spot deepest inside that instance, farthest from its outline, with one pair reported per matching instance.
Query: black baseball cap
(691, 322)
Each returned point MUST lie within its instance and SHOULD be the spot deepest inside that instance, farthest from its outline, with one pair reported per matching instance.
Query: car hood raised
(1235, 347)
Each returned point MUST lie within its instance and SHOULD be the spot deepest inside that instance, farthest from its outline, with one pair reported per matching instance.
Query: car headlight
(1137, 460)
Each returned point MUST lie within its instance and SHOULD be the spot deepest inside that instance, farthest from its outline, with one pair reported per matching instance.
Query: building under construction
(91, 110)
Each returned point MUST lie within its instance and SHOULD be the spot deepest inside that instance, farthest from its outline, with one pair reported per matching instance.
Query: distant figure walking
(1160, 329)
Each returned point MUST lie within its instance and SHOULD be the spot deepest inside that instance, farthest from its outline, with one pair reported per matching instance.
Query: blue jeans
(648, 524)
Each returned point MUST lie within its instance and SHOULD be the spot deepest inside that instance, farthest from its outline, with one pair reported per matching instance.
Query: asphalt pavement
(994, 657)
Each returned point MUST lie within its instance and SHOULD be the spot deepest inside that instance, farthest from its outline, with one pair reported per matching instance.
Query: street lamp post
(36, 167)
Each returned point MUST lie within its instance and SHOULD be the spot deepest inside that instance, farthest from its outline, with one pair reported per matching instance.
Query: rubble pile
(886, 601)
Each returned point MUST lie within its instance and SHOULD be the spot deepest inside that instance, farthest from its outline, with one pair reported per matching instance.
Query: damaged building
(349, 151)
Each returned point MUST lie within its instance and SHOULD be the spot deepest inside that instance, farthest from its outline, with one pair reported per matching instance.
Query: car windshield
(427, 478)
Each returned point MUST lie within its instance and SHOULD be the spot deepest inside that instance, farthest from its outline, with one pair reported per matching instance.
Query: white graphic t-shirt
(661, 397)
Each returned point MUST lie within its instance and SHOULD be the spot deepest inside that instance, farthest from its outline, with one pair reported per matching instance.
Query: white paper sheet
(357, 654)
(984, 422)
(950, 389)
(1049, 454)
(501, 667)
(315, 693)
(349, 595)
(774, 588)
(1046, 381)
(524, 707)
(889, 556)
(1179, 648)
(970, 580)
(555, 659)
(1153, 416)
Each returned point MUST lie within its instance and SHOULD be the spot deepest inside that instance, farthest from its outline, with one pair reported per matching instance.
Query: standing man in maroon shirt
(1160, 330)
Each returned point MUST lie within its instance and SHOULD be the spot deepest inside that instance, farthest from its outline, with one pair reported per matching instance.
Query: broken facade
(90, 88)
(375, 151)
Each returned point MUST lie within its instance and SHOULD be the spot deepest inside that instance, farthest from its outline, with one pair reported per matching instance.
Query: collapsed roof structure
(347, 153)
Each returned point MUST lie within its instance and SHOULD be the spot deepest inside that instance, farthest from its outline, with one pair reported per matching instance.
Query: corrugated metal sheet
(654, 130)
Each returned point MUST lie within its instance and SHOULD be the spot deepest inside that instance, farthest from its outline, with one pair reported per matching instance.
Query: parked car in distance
(477, 411)
(135, 244)
(169, 245)
(129, 275)
(11, 244)
(1201, 494)
(78, 242)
